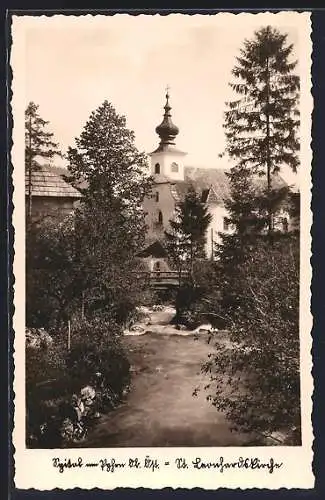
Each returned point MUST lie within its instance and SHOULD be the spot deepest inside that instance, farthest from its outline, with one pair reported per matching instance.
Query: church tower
(167, 161)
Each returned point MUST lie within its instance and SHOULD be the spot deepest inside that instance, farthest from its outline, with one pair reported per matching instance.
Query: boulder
(137, 328)
(205, 328)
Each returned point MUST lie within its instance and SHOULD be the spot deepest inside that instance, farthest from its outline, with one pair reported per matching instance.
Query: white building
(172, 178)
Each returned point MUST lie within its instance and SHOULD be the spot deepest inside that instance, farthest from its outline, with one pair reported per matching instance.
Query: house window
(157, 196)
(160, 218)
(157, 168)
(174, 167)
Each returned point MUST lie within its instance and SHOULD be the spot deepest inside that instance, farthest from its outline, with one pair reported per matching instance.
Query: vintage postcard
(162, 191)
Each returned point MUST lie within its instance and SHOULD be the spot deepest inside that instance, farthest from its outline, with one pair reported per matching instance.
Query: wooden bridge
(163, 279)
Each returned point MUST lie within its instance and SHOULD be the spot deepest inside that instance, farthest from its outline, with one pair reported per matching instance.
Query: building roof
(212, 183)
(48, 181)
(204, 181)
(205, 178)
(166, 148)
(161, 179)
(153, 248)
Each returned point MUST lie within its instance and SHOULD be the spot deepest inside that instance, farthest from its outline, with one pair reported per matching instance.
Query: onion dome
(167, 131)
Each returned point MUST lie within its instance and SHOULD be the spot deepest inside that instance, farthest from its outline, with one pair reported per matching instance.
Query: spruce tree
(107, 159)
(187, 236)
(262, 123)
(259, 282)
(110, 221)
(38, 144)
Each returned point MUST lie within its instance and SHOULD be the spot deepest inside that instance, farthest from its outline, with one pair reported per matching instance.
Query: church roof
(48, 181)
(168, 148)
(161, 179)
(205, 178)
(212, 183)
(205, 181)
(167, 131)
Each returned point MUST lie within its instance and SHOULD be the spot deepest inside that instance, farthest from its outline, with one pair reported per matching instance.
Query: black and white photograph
(162, 170)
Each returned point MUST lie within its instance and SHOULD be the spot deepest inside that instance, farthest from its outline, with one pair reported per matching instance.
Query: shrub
(47, 387)
(193, 296)
(65, 389)
(255, 380)
(97, 358)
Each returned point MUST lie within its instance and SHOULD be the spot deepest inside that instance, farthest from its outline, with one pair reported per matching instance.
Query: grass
(160, 409)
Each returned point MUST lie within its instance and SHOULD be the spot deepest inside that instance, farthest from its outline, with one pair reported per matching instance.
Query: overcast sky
(72, 64)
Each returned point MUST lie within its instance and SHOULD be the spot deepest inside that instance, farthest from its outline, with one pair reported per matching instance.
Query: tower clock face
(174, 167)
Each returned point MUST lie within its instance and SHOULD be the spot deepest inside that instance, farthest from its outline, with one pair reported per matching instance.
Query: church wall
(218, 212)
(165, 160)
(165, 204)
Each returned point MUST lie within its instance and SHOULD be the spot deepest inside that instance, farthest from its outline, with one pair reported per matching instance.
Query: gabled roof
(154, 249)
(48, 181)
(203, 178)
(205, 181)
(213, 184)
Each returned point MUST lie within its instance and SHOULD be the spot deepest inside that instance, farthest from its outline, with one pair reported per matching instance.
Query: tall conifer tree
(262, 123)
(187, 236)
(111, 221)
(38, 144)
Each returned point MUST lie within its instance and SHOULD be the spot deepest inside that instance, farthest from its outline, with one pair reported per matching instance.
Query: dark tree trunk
(268, 152)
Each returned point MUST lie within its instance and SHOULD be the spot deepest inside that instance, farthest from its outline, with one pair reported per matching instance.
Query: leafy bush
(97, 358)
(47, 387)
(255, 378)
(193, 297)
(73, 270)
(52, 274)
(58, 383)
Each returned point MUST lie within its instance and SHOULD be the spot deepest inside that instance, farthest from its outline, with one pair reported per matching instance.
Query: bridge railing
(162, 275)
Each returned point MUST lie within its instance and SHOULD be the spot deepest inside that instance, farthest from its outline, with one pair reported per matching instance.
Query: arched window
(157, 168)
(157, 196)
(156, 266)
(157, 269)
(174, 167)
(160, 218)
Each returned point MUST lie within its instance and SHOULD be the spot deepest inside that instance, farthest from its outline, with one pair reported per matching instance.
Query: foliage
(106, 251)
(70, 273)
(85, 264)
(254, 368)
(96, 357)
(66, 388)
(38, 141)
(199, 304)
(110, 222)
(52, 274)
(108, 162)
(255, 377)
(185, 244)
(186, 240)
(48, 387)
(262, 123)
(38, 144)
